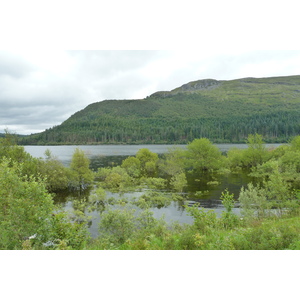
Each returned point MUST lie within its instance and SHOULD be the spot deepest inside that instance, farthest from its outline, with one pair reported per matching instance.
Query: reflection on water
(199, 190)
(208, 199)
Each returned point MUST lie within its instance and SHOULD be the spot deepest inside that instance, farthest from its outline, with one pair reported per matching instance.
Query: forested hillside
(222, 111)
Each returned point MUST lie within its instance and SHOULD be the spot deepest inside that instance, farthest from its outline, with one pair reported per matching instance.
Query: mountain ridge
(222, 110)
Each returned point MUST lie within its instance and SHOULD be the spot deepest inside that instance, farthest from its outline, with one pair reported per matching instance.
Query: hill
(223, 111)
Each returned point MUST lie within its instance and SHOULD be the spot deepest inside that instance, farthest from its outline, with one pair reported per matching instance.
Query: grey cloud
(13, 65)
(111, 61)
(255, 64)
(34, 118)
(29, 114)
(112, 74)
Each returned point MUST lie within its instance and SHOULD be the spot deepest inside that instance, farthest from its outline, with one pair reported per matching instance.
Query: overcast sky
(41, 85)
(39, 89)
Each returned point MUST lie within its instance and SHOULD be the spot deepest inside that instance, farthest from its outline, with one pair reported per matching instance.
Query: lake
(106, 152)
(113, 155)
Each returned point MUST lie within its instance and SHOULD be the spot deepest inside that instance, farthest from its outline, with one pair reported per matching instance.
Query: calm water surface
(98, 152)
(112, 155)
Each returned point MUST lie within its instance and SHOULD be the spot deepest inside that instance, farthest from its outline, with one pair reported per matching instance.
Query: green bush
(66, 234)
(178, 182)
(117, 225)
(132, 165)
(148, 162)
(57, 176)
(253, 202)
(204, 221)
(153, 199)
(155, 183)
(25, 207)
(115, 179)
(202, 155)
(228, 218)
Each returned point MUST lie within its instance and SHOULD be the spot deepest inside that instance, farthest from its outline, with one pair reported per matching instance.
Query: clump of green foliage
(178, 182)
(254, 155)
(228, 218)
(202, 155)
(56, 174)
(25, 207)
(81, 174)
(153, 199)
(27, 217)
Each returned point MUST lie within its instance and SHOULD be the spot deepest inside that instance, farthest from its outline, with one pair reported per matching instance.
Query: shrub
(204, 221)
(155, 183)
(25, 207)
(132, 165)
(66, 234)
(117, 225)
(228, 219)
(202, 155)
(153, 199)
(178, 182)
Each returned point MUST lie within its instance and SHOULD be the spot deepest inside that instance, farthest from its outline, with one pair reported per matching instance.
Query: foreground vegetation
(270, 205)
(222, 111)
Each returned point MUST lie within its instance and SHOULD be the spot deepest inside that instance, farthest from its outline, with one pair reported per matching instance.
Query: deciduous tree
(82, 175)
